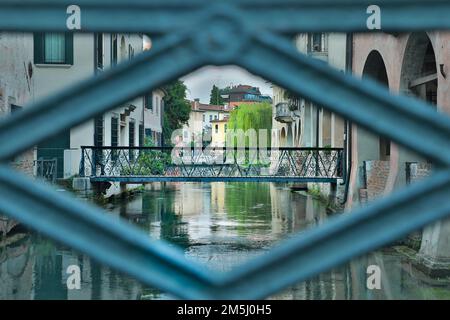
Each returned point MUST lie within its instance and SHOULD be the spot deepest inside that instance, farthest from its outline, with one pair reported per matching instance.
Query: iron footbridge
(136, 165)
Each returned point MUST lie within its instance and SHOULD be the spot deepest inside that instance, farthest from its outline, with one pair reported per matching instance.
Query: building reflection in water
(16, 268)
(221, 225)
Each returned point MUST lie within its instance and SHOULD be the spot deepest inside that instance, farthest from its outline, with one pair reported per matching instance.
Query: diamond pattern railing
(255, 29)
(145, 164)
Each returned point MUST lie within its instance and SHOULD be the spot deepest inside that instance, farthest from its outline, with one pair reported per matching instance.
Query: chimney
(196, 103)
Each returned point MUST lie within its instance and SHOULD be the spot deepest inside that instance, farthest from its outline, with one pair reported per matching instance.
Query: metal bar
(421, 129)
(115, 243)
(99, 94)
(82, 172)
(159, 16)
(55, 170)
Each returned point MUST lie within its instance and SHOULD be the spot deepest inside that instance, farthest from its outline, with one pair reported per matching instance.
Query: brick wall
(25, 162)
(376, 174)
(417, 171)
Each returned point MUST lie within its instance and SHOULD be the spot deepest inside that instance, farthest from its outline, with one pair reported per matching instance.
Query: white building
(17, 83)
(62, 60)
(201, 118)
(16, 91)
(303, 124)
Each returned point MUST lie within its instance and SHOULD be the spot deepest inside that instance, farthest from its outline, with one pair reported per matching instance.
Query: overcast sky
(200, 82)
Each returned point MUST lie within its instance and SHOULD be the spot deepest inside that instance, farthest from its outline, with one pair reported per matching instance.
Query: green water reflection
(221, 225)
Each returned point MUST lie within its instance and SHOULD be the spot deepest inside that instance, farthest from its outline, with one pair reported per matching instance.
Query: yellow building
(219, 129)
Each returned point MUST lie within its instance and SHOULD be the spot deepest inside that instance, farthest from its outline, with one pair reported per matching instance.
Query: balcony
(283, 113)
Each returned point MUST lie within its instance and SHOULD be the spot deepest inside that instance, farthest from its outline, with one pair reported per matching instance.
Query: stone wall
(375, 176)
(16, 91)
(25, 162)
(417, 171)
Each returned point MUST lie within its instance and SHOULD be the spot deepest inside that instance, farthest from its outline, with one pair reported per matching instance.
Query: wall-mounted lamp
(443, 71)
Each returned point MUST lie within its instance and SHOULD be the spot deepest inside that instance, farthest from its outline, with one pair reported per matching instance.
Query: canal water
(221, 225)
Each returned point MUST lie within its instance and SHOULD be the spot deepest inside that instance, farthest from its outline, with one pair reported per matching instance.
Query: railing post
(317, 163)
(41, 167)
(55, 170)
(94, 162)
(102, 160)
(82, 171)
(343, 157)
(341, 166)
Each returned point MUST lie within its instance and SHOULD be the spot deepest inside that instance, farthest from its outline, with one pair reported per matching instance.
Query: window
(148, 133)
(141, 135)
(15, 108)
(114, 132)
(217, 128)
(317, 42)
(157, 105)
(114, 49)
(131, 134)
(130, 52)
(210, 117)
(98, 138)
(215, 117)
(99, 50)
(114, 136)
(131, 139)
(53, 48)
(204, 118)
(148, 101)
(98, 131)
(226, 128)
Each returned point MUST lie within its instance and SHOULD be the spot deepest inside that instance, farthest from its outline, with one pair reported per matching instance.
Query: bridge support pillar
(81, 184)
(123, 190)
(434, 255)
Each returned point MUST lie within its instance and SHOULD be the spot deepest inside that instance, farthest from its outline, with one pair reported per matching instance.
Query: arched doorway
(290, 137)
(283, 138)
(419, 76)
(123, 49)
(375, 69)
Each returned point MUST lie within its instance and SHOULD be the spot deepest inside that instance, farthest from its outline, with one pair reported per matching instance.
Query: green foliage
(149, 162)
(176, 109)
(215, 97)
(252, 116)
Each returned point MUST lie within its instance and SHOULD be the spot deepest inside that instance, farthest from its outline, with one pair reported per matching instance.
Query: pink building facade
(413, 64)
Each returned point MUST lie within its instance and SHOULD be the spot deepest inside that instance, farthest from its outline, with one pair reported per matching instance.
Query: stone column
(434, 254)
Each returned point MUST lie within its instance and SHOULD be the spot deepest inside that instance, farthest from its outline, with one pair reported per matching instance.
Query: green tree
(176, 109)
(215, 97)
(252, 116)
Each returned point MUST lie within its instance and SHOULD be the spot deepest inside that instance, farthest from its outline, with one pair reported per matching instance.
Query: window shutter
(69, 48)
(38, 39)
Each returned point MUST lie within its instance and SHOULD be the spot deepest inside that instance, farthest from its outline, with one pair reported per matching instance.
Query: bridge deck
(149, 179)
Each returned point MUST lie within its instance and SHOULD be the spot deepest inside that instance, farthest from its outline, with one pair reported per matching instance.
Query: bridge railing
(46, 169)
(323, 163)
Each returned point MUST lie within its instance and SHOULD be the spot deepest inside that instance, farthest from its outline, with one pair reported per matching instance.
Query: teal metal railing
(219, 164)
(250, 34)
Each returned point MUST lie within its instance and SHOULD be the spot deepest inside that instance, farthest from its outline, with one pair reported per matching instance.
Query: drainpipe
(317, 140)
(348, 124)
(161, 115)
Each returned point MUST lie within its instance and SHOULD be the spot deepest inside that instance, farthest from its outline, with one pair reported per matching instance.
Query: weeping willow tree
(252, 116)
